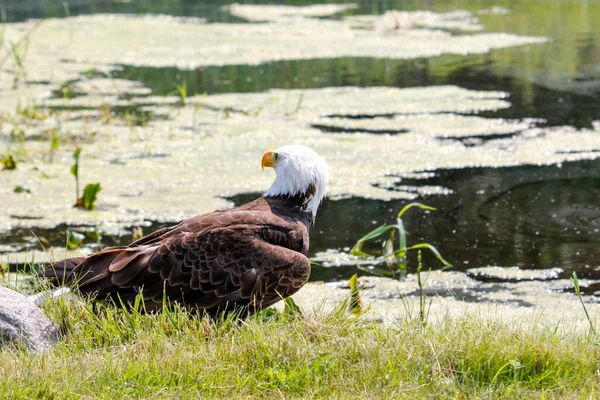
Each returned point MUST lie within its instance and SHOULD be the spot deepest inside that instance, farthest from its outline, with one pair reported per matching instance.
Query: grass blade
(578, 293)
(355, 306)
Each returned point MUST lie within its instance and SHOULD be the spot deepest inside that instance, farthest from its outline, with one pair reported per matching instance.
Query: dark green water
(533, 217)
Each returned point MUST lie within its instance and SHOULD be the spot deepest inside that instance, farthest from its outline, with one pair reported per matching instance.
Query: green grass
(108, 352)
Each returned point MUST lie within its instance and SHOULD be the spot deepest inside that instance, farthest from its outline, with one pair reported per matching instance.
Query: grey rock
(23, 324)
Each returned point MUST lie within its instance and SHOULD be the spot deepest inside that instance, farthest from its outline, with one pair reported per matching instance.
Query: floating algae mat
(261, 13)
(82, 43)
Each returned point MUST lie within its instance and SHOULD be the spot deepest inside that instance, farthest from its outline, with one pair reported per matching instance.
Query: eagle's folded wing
(212, 262)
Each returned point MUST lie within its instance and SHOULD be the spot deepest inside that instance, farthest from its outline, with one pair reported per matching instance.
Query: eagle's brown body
(244, 258)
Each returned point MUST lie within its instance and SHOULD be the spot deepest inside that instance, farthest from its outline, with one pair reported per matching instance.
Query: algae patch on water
(261, 13)
(59, 50)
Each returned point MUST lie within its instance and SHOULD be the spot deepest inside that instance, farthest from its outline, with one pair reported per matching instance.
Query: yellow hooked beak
(268, 160)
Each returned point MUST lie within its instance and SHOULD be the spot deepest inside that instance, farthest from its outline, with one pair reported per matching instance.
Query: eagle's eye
(276, 156)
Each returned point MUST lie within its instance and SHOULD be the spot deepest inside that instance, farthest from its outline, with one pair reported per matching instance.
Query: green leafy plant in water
(8, 162)
(54, 143)
(75, 171)
(67, 91)
(183, 93)
(21, 189)
(226, 113)
(74, 239)
(95, 235)
(396, 258)
(90, 192)
(90, 195)
(578, 293)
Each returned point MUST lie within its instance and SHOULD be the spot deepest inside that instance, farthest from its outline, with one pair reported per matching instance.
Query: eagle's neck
(290, 207)
(308, 197)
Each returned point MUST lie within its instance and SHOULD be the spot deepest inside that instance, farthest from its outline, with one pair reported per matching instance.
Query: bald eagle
(246, 258)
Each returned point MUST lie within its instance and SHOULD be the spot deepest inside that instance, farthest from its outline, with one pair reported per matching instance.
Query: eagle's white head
(300, 171)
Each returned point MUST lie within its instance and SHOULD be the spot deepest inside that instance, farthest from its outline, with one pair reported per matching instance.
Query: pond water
(527, 216)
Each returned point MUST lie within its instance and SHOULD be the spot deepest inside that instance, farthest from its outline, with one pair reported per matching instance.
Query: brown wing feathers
(216, 262)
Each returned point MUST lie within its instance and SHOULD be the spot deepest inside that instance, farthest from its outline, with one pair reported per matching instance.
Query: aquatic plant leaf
(183, 93)
(75, 167)
(433, 250)
(21, 189)
(55, 141)
(94, 235)
(74, 239)
(399, 253)
(8, 162)
(419, 205)
(90, 193)
(401, 234)
(357, 249)
(388, 246)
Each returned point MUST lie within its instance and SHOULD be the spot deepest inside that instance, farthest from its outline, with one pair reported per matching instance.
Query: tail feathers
(61, 273)
(91, 273)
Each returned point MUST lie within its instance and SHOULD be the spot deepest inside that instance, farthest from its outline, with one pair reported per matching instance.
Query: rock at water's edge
(24, 324)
